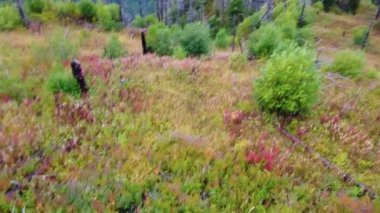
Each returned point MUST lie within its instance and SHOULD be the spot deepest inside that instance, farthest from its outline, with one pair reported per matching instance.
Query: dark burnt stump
(145, 47)
(78, 75)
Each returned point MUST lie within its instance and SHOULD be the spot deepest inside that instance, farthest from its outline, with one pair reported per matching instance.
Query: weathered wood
(370, 27)
(346, 177)
(301, 19)
(145, 47)
(20, 7)
(78, 75)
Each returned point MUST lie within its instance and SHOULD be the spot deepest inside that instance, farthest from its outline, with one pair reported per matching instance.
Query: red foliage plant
(263, 155)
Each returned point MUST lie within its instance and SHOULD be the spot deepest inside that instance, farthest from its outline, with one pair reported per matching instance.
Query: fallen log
(346, 177)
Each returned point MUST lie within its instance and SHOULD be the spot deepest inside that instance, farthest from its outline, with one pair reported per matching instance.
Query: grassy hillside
(159, 134)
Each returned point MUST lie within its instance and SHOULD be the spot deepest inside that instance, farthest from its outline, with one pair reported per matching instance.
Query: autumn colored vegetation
(192, 126)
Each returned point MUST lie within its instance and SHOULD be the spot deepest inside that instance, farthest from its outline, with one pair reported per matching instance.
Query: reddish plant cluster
(234, 120)
(263, 155)
(100, 67)
(135, 97)
(359, 141)
(72, 113)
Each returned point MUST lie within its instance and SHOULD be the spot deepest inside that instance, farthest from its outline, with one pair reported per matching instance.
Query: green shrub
(159, 39)
(114, 10)
(9, 18)
(238, 62)
(304, 36)
(67, 10)
(359, 34)
(61, 47)
(150, 20)
(349, 63)
(249, 24)
(138, 22)
(147, 21)
(222, 39)
(14, 88)
(179, 53)
(114, 48)
(289, 83)
(195, 39)
(264, 41)
(87, 10)
(62, 81)
(35, 6)
(104, 17)
(58, 48)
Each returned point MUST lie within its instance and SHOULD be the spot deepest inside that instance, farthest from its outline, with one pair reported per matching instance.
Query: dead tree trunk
(78, 75)
(234, 33)
(269, 12)
(141, 8)
(145, 47)
(370, 27)
(123, 13)
(20, 7)
(301, 19)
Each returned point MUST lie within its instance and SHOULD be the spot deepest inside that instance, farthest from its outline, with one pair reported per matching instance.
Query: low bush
(359, 34)
(61, 47)
(264, 41)
(249, 24)
(159, 39)
(349, 63)
(114, 10)
(114, 48)
(87, 10)
(289, 83)
(9, 18)
(222, 39)
(35, 6)
(105, 19)
(195, 39)
(179, 53)
(67, 10)
(61, 81)
(13, 88)
(147, 21)
(238, 62)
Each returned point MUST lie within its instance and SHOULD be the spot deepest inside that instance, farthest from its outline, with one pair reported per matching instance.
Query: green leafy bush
(114, 48)
(159, 39)
(67, 10)
(60, 46)
(105, 19)
(349, 63)
(249, 24)
(264, 41)
(114, 10)
(359, 34)
(138, 22)
(195, 39)
(289, 83)
(14, 88)
(179, 53)
(9, 18)
(62, 81)
(87, 10)
(238, 62)
(147, 21)
(35, 6)
(222, 39)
